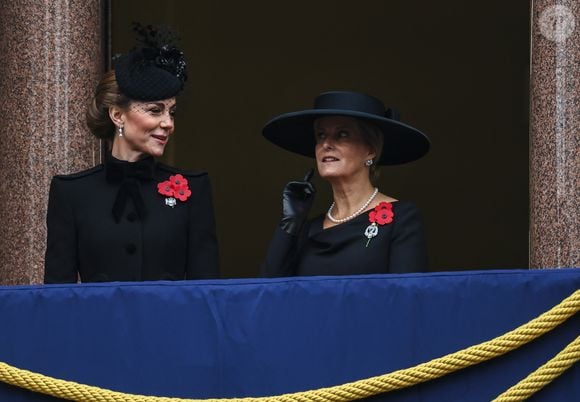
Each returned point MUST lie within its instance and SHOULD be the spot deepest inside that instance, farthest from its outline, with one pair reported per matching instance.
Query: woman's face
(147, 127)
(340, 150)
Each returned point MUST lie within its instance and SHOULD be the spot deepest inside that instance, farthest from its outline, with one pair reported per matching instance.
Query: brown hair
(107, 94)
(373, 136)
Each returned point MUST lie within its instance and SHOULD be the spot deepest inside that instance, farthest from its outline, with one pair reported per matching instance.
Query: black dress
(398, 247)
(110, 223)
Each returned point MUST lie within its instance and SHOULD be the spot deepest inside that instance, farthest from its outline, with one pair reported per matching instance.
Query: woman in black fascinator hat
(133, 218)
(364, 231)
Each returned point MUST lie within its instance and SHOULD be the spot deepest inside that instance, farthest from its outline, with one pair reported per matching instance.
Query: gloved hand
(297, 199)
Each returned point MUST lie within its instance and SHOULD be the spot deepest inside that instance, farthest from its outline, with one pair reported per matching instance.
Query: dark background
(456, 70)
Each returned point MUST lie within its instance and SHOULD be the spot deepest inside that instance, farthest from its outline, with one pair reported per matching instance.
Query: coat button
(131, 248)
(131, 216)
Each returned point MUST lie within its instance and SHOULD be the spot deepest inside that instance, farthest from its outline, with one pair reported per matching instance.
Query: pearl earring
(120, 129)
(369, 162)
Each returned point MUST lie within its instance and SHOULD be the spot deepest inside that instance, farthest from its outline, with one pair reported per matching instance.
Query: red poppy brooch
(174, 188)
(381, 215)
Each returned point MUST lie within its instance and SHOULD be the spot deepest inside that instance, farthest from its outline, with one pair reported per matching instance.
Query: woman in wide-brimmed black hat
(132, 218)
(364, 231)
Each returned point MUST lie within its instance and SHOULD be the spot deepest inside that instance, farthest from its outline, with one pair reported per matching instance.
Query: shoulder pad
(83, 173)
(190, 173)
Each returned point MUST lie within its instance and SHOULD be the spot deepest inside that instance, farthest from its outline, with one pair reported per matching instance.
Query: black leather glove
(297, 199)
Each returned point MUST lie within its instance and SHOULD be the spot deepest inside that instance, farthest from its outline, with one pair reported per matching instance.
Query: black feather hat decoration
(155, 69)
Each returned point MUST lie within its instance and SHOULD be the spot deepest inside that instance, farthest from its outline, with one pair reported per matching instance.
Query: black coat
(399, 247)
(150, 240)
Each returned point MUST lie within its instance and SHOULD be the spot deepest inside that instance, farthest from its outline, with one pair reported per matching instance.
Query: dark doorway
(458, 71)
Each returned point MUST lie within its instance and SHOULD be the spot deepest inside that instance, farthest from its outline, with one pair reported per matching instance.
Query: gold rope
(543, 375)
(341, 393)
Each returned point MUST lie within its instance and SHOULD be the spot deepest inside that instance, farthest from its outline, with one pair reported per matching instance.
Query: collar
(117, 171)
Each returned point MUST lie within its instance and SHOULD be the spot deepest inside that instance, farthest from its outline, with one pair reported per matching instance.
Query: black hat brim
(295, 133)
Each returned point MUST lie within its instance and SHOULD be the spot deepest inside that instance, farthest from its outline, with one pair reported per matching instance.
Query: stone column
(555, 127)
(52, 56)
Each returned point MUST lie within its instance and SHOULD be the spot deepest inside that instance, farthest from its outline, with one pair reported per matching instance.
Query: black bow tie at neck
(117, 170)
(129, 175)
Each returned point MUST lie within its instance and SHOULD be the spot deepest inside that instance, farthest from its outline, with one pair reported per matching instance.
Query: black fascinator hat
(295, 131)
(155, 69)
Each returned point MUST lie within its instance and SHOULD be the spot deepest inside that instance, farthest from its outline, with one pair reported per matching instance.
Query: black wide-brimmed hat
(295, 131)
(155, 69)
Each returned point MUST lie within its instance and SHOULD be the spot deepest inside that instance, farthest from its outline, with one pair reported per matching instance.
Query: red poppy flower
(382, 214)
(182, 193)
(176, 186)
(383, 205)
(165, 188)
(178, 181)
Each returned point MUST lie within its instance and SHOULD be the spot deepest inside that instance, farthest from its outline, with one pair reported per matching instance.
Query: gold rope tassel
(543, 375)
(341, 393)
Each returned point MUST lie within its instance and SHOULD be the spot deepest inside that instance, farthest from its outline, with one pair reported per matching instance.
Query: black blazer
(151, 240)
(399, 247)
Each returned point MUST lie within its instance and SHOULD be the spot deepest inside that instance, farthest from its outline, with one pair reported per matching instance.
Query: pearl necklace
(357, 213)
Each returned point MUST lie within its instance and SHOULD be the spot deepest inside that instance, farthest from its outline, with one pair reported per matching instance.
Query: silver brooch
(371, 231)
(170, 201)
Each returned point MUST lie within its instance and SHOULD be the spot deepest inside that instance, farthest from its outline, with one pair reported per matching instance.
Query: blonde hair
(107, 94)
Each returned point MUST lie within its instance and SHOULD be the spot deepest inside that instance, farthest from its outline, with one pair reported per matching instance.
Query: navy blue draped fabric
(260, 337)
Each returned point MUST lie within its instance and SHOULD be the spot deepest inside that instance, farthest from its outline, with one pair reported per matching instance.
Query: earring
(120, 129)
(369, 162)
